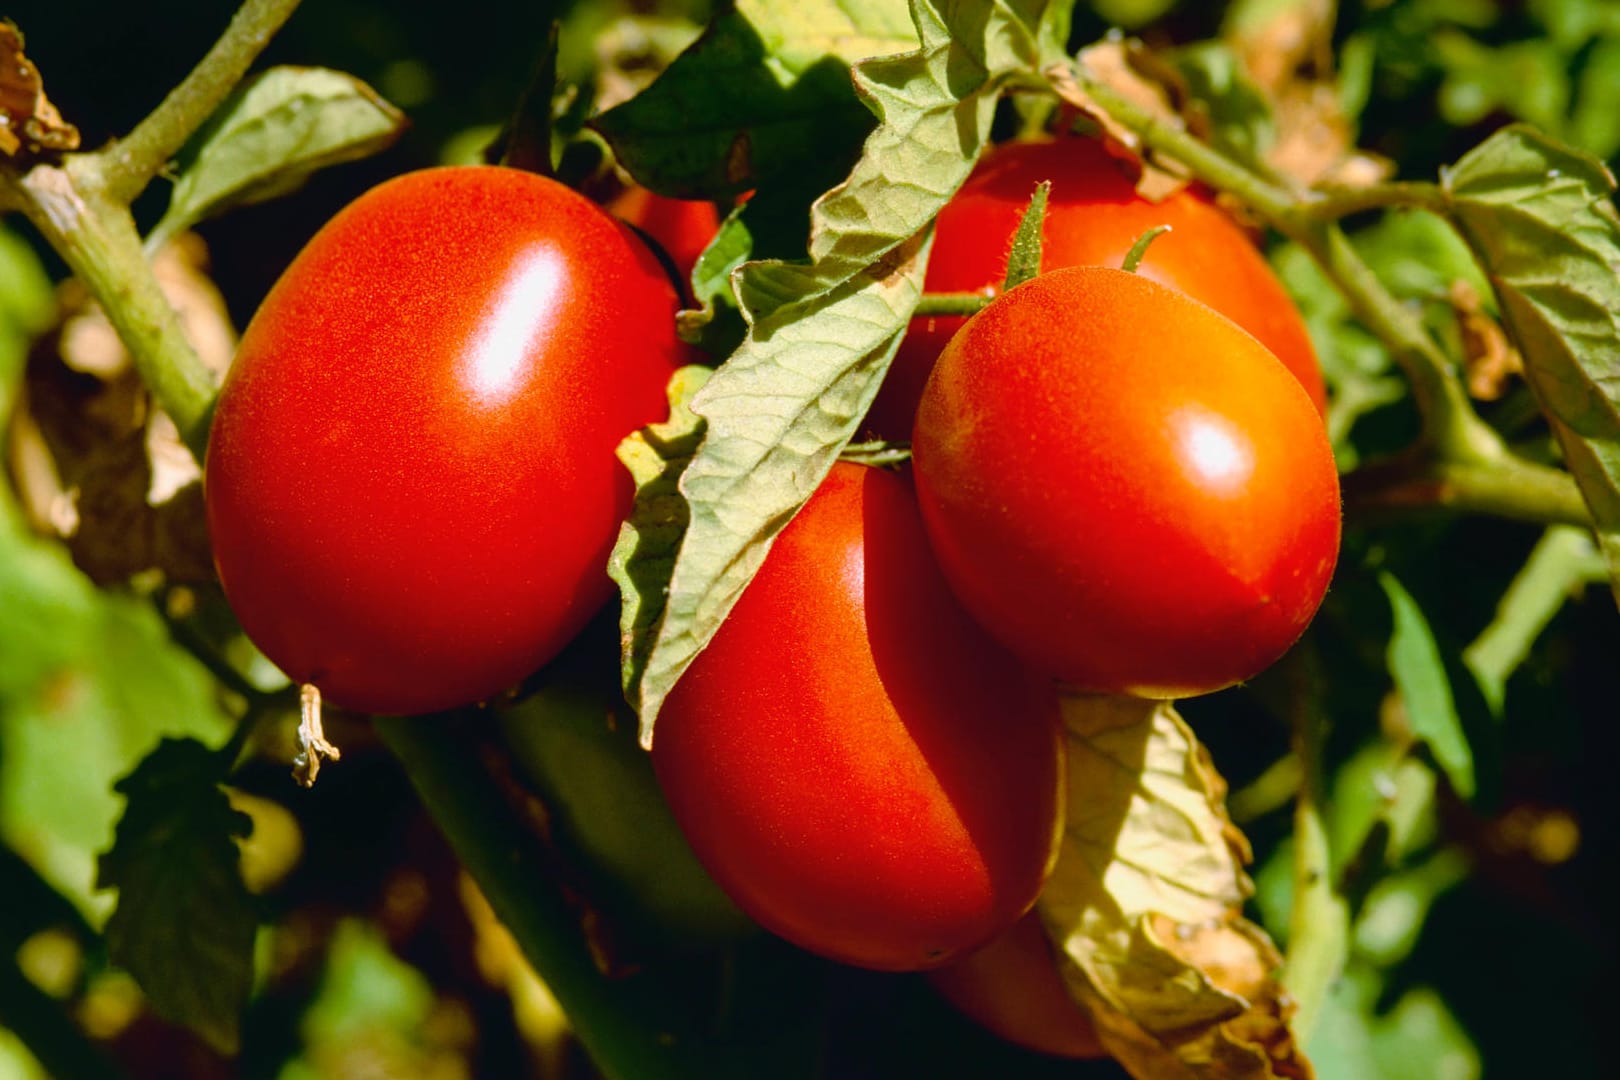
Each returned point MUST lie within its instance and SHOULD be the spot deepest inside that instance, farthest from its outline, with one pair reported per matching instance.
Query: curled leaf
(1146, 903)
(271, 134)
(1540, 217)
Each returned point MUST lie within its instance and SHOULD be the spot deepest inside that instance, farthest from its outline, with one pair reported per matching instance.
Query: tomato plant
(1011, 987)
(410, 480)
(1093, 217)
(853, 760)
(1125, 487)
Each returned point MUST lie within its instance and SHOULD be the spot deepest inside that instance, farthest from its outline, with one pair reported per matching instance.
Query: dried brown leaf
(1287, 51)
(1489, 359)
(1129, 70)
(1146, 904)
(29, 123)
(103, 468)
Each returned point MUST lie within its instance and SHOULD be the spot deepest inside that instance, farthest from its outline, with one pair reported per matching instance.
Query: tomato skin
(1012, 988)
(410, 479)
(682, 227)
(1124, 487)
(1093, 217)
(853, 760)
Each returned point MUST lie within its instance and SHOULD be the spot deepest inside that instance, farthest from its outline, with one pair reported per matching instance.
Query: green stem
(961, 304)
(129, 164)
(1510, 488)
(1451, 427)
(96, 236)
(632, 1027)
(1565, 560)
(1319, 925)
(1338, 203)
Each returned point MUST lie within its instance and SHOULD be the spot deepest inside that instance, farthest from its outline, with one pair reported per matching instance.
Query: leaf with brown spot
(1146, 904)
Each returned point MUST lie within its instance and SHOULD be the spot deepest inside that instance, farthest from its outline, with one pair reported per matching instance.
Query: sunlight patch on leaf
(1541, 218)
(821, 335)
(1146, 901)
(270, 135)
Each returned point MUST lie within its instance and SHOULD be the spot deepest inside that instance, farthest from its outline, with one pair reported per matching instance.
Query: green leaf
(1420, 676)
(185, 922)
(1562, 563)
(820, 336)
(1146, 901)
(271, 134)
(731, 114)
(644, 554)
(1540, 217)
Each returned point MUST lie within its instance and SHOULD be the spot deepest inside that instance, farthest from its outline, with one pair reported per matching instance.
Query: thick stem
(128, 165)
(1451, 427)
(1319, 926)
(1338, 203)
(631, 1026)
(1509, 488)
(96, 236)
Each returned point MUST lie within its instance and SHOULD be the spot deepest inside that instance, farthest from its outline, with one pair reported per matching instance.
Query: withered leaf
(29, 123)
(1146, 900)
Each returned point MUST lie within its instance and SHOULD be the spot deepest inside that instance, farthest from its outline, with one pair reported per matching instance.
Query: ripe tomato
(1124, 487)
(410, 480)
(1093, 217)
(855, 762)
(1012, 988)
(682, 227)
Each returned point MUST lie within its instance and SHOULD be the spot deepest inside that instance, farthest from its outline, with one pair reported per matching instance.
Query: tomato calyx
(1133, 257)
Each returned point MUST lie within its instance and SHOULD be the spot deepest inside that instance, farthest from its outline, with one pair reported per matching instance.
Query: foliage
(1422, 783)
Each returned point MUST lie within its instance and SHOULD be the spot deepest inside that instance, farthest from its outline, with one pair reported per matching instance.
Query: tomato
(1012, 988)
(1093, 217)
(410, 479)
(682, 227)
(853, 760)
(1124, 487)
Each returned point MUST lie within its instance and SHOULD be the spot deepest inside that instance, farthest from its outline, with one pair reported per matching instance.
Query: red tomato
(410, 479)
(1124, 487)
(856, 764)
(1012, 988)
(1093, 217)
(682, 227)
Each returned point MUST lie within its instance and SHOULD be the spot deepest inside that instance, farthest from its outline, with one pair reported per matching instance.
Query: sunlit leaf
(752, 101)
(1541, 218)
(271, 134)
(821, 335)
(1146, 901)
(185, 921)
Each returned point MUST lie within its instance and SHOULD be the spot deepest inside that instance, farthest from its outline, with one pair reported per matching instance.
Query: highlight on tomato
(1093, 217)
(410, 480)
(1125, 487)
